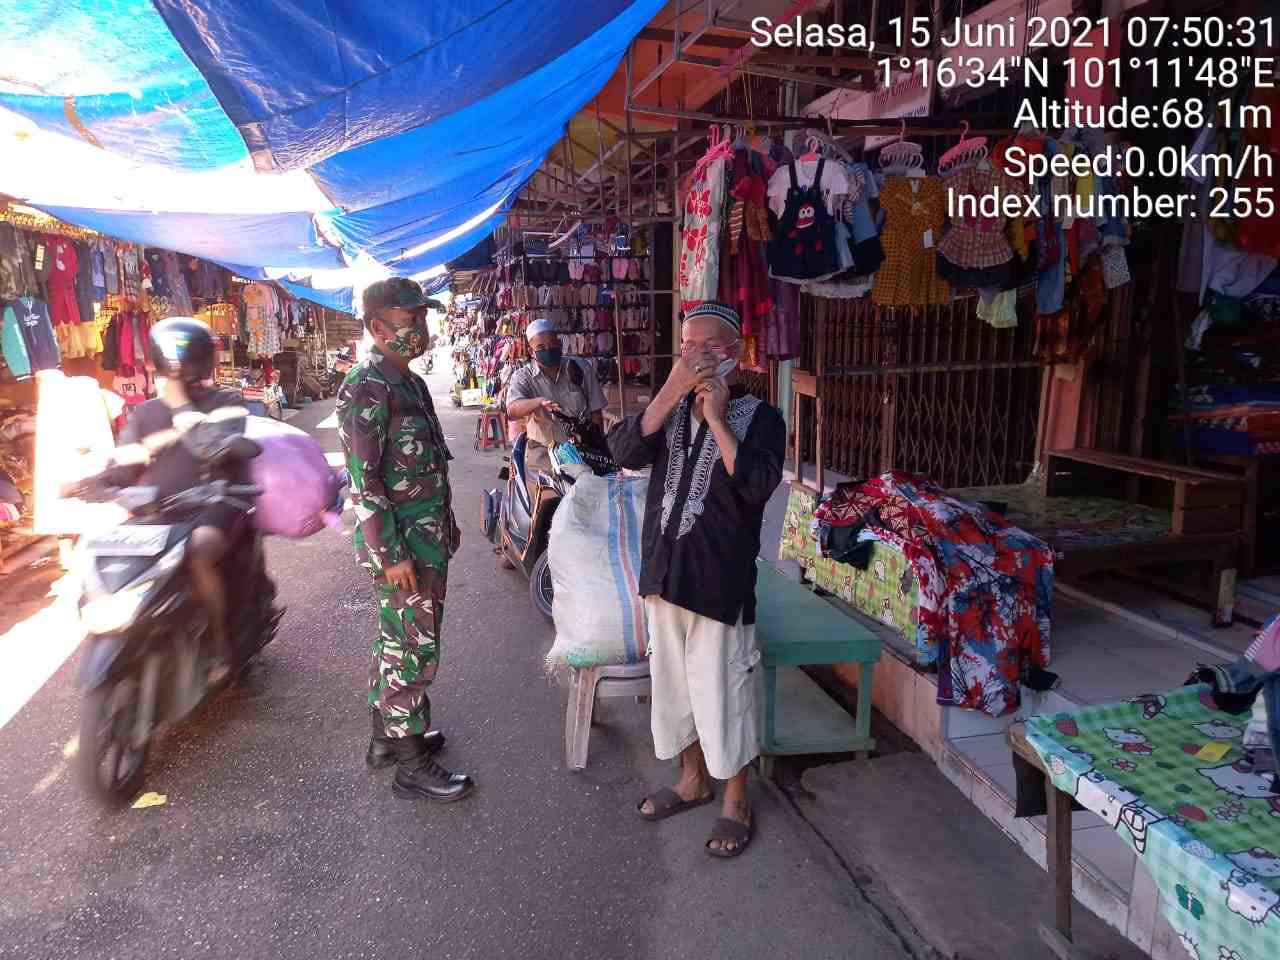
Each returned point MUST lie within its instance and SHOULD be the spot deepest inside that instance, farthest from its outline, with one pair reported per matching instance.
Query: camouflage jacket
(399, 463)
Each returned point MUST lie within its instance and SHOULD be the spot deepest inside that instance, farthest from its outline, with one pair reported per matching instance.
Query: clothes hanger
(716, 147)
(902, 157)
(969, 152)
(816, 141)
(830, 144)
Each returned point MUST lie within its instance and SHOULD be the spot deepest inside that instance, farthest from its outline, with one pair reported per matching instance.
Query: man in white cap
(551, 382)
(716, 453)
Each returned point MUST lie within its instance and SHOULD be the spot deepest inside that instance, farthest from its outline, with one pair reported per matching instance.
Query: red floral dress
(700, 245)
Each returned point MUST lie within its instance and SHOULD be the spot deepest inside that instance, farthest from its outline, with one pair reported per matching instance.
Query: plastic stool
(491, 430)
(588, 685)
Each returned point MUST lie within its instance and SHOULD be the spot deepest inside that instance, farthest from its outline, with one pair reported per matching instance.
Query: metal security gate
(930, 390)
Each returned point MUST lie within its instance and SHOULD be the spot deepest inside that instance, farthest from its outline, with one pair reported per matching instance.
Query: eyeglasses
(712, 346)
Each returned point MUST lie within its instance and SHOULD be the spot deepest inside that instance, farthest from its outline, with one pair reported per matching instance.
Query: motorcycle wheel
(110, 766)
(540, 588)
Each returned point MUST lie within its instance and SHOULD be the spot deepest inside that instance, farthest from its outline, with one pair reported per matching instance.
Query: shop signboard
(909, 95)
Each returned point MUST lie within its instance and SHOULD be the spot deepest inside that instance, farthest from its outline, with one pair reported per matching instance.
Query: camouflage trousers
(406, 654)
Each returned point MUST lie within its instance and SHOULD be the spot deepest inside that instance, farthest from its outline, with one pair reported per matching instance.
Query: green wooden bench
(795, 627)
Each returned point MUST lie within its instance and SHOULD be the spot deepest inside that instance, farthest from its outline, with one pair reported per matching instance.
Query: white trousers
(704, 686)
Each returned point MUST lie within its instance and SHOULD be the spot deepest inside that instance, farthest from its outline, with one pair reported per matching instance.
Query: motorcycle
(338, 370)
(148, 647)
(520, 527)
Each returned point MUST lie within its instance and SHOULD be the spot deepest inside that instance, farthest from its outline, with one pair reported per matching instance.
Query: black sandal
(733, 832)
(667, 803)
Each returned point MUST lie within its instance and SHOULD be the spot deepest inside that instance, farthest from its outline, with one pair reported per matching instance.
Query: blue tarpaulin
(477, 258)
(413, 119)
(514, 126)
(436, 285)
(438, 256)
(339, 300)
(277, 240)
(354, 72)
(133, 89)
(384, 232)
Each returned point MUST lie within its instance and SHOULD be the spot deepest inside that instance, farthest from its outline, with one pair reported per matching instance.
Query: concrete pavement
(276, 842)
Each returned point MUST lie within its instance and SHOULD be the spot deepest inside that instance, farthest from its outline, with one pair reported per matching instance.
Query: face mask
(549, 356)
(409, 342)
(726, 367)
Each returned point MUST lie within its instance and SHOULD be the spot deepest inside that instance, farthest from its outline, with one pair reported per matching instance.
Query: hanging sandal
(733, 832)
(667, 803)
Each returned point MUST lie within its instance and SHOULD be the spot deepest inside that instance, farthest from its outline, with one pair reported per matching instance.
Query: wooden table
(1057, 937)
(1206, 521)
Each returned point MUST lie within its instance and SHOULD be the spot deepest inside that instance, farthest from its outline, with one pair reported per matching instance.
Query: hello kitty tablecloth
(1167, 771)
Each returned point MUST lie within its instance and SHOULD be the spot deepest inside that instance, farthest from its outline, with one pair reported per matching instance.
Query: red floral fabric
(984, 584)
(699, 270)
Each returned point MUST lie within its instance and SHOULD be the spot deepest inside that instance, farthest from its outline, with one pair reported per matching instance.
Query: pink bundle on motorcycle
(300, 489)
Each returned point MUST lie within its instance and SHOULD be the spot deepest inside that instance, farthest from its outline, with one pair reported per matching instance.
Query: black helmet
(182, 348)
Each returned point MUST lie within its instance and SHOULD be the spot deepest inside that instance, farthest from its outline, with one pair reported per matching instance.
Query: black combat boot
(418, 776)
(382, 750)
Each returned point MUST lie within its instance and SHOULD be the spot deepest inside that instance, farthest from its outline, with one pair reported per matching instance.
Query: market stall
(81, 302)
(595, 284)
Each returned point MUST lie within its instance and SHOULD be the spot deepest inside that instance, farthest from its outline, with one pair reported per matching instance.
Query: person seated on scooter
(551, 382)
(183, 352)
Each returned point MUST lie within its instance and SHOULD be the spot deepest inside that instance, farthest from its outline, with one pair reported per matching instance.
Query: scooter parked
(518, 524)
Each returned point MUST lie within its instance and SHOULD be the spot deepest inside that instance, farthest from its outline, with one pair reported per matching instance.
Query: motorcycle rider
(150, 453)
(550, 382)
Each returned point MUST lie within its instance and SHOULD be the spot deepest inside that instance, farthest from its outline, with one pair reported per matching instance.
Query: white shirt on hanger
(835, 182)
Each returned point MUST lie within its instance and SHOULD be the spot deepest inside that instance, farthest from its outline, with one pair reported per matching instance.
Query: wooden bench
(1206, 524)
(1204, 501)
(795, 627)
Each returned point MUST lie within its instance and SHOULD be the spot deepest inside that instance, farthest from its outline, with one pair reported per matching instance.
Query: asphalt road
(275, 841)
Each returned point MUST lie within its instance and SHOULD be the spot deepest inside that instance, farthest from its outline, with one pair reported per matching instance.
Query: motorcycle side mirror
(504, 473)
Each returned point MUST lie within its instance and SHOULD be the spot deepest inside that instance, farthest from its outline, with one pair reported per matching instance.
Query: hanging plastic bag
(300, 489)
(595, 571)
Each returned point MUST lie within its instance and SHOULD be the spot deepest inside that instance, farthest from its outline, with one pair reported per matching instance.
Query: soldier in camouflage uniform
(405, 534)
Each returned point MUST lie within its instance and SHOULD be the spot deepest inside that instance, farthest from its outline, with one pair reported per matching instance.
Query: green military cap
(397, 292)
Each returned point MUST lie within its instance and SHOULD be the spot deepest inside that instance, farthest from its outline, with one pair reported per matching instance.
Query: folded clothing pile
(984, 584)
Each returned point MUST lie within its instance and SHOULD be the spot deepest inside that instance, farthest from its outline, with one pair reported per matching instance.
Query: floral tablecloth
(1167, 772)
(887, 590)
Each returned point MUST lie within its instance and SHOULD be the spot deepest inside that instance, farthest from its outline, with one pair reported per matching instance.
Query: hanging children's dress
(915, 210)
(976, 252)
(744, 278)
(804, 241)
(865, 245)
(700, 250)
